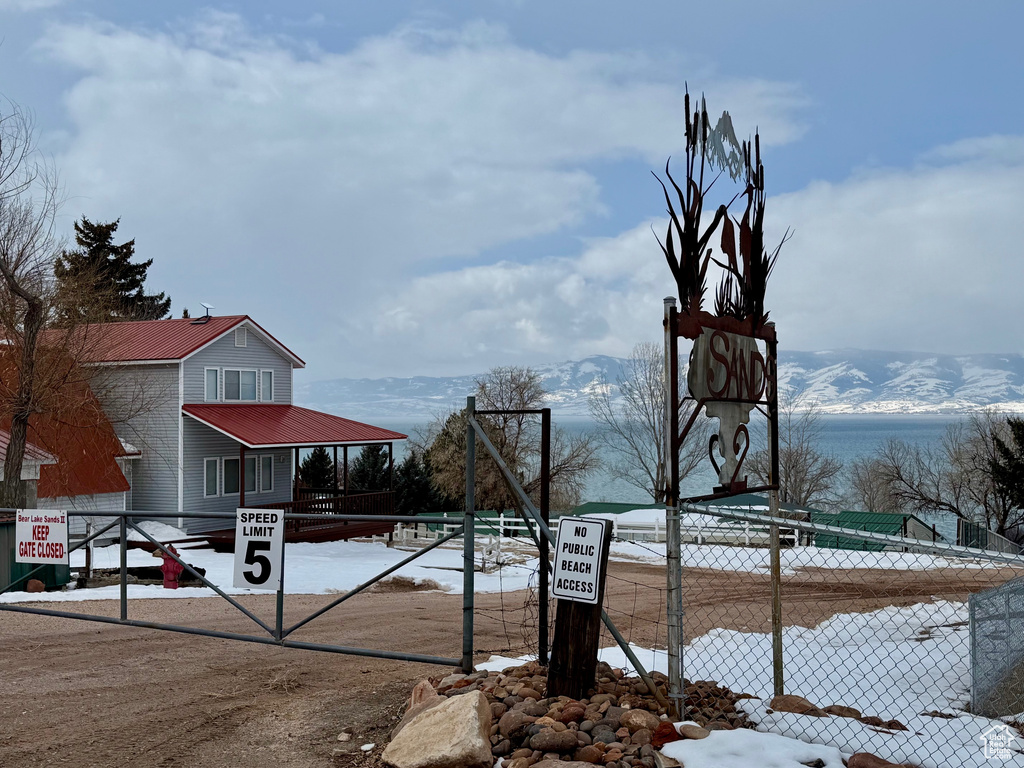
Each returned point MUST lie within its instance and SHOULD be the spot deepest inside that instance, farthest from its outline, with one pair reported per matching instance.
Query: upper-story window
(239, 385)
(212, 384)
(267, 386)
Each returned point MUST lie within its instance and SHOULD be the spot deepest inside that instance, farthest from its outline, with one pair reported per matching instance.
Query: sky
(428, 187)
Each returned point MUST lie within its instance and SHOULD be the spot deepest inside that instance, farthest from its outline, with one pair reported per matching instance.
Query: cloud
(25, 6)
(303, 186)
(925, 258)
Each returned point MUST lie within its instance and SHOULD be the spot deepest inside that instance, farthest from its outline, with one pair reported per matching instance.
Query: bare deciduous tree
(29, 200)
(41, 371)
(632, 429)
(867, 489)
(806, 475)
(517, 439)
(955, 476)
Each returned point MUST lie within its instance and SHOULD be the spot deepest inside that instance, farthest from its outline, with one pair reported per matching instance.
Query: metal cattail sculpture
(747, 267)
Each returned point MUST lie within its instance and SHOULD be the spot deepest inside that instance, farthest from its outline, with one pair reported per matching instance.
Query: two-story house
(206, 406)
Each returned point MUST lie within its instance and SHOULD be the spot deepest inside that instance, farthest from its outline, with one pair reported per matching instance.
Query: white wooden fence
(695, 529)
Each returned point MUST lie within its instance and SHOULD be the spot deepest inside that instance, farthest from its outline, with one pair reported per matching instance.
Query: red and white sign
(42, 536)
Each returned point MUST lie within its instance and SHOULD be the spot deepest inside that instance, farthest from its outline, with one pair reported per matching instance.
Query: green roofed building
(609, 508)
(893, 524)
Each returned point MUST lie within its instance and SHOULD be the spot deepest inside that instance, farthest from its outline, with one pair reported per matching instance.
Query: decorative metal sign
(730, 376)
(733, 368)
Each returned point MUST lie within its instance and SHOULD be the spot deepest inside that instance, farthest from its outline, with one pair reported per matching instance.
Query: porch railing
(312, 502)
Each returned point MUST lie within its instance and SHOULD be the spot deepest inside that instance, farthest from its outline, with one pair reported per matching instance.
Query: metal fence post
(279, 610)
(673, 538)
(467, 541)
(545, 514)
(124, 567)
(776, 570)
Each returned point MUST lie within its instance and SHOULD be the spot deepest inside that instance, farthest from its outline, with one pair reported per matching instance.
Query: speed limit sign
(259, 539)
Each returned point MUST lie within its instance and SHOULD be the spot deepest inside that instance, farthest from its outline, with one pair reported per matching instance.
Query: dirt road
(87, 694)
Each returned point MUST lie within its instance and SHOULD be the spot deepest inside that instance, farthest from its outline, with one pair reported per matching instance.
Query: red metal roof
(75, 430)
(267, 425)
(147, 340)
(32, 452)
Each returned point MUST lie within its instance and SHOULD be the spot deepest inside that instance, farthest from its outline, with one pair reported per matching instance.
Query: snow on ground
(744, 749)
(757, 560)
(894, 663)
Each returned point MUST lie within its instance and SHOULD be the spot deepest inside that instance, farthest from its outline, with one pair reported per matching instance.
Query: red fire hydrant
(171, 568)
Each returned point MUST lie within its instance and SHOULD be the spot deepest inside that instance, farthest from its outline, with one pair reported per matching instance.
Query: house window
(250, 474)
(239, 337)
(212, 385)
(267, 386)
(239, 385)
(230, 476)
(212, 487)
(266, 473)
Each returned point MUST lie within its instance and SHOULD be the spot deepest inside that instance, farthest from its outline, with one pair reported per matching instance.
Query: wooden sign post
(581, 564)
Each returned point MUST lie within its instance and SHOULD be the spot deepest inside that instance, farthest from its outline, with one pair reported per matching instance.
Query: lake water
(847, 437)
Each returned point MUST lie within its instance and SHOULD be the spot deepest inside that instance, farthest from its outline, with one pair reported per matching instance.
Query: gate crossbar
(202, 578)
(126, 519)
(546, 531)
(355, 591)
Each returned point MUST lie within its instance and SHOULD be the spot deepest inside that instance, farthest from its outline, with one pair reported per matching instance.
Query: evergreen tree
(1008, 464)
(117, 283)
(414, 493)
(317, 469)
(369, 471)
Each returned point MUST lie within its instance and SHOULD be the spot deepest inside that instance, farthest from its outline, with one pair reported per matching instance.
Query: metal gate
(277, 634)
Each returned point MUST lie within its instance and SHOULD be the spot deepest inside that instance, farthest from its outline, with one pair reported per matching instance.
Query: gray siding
(256, 354)
(100, 502)
(202, 443)
(142, 403)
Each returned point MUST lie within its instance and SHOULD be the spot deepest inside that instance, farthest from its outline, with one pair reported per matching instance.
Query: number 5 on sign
(259, 540)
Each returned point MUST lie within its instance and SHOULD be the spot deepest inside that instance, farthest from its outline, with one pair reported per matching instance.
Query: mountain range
(839, 381)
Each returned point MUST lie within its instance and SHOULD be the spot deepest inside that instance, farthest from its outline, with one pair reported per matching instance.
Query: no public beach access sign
(42, 536)
(259, 544)
(578, 559)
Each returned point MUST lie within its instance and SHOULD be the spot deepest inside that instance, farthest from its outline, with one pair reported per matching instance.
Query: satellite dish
(205, 318)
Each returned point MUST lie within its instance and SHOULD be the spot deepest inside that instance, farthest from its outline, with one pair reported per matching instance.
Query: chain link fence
(909, 649)
(997, 649)
(876, 643)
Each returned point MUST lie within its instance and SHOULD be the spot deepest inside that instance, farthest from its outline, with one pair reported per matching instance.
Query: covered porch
(262, 427)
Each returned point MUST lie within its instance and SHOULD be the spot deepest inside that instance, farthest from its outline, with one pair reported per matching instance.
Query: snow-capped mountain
(839, 381)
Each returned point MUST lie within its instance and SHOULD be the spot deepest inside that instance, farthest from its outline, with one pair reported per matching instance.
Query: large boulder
(453, 734)
(867, 760)
(423, 698)
(796, 704)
